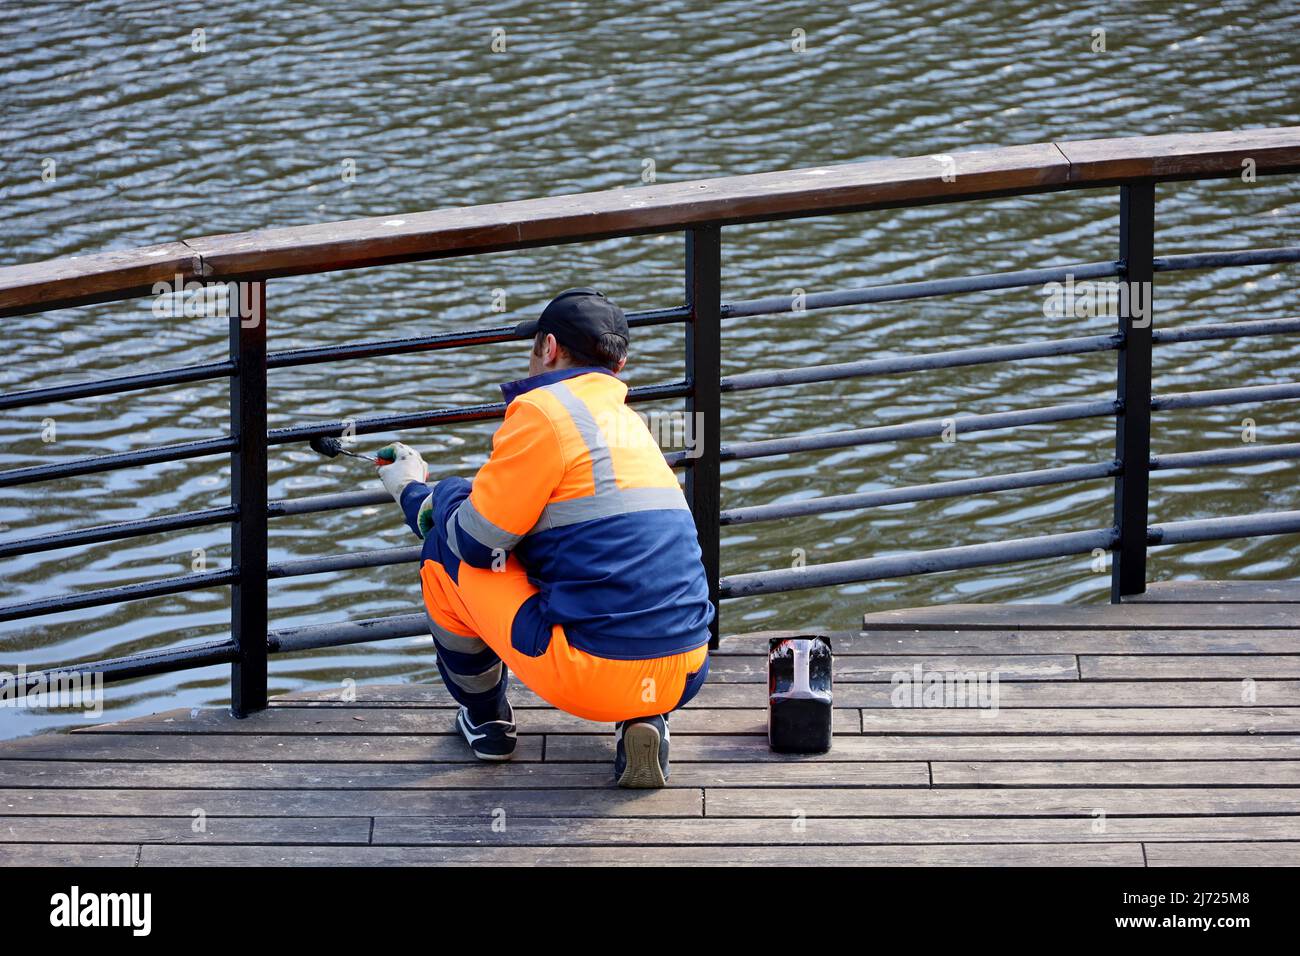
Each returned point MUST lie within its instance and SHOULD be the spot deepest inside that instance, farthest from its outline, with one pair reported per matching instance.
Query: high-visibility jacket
(577, 489)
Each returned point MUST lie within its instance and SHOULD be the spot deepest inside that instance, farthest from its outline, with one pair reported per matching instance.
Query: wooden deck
(1125, 736)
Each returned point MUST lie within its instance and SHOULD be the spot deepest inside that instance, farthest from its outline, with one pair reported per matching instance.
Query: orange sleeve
(510, 491)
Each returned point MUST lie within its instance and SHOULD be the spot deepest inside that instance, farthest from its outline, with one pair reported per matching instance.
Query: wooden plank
(1059, 617)
(38, 286)
(370, 721)
(1223, 854)
(720, 831)
(617, 212)
(1080, 641)
(758, 642)
(1219, 592)
(68, 854)
(1181, 155)
(1006, 854)
(1112, 694)
(749, 670)
(1026, 802)
(182, 830)
(850, 694)
(1118, 773)
(251, 747)
(608, 801)
(18, 774)
(723, 748)
(382, 695)
(1082, 720)
(1174, 667)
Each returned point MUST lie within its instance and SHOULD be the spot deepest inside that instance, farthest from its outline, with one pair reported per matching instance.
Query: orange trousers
(482, 604)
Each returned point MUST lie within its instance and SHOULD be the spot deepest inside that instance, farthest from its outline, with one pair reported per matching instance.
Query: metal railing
(699, 210)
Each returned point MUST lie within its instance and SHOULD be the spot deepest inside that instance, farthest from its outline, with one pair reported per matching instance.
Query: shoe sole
(641, 743)
(490, 758)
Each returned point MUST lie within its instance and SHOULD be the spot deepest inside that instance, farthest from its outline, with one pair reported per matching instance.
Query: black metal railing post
(704, 403)
(248, 602)
(1133, 388)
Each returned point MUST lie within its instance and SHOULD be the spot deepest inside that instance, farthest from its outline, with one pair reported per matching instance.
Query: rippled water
(152, 140)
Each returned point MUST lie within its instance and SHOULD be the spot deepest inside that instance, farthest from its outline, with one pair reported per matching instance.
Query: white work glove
(405, 466)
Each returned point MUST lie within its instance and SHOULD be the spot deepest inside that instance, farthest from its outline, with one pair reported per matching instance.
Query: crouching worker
(571, 559)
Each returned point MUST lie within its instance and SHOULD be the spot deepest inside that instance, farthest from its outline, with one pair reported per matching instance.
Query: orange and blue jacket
(579, 492)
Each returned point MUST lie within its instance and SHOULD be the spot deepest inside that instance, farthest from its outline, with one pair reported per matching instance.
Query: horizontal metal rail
(1223, 529)
(443, 340)
(905, 291)
(444, 416)
(144, 664)
(124, 383)
(312, 504)
(369, 426)
(1001, 552)
(958, 358)
(209, 653)
(117, 595)
(1247, 395)
(118, 531)
(344, 562)
(1246, 454)
(917, 562)
(313, 636)
(935, 491)
(1219, 260)
(100, 463)
(363, 350)
(923, 429)
(1225, 330)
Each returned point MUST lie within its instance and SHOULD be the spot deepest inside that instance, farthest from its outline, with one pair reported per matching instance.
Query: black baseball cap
(577, 318)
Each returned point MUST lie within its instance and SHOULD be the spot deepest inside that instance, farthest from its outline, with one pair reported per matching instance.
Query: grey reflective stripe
(471, 683)
(617, 502)
(602, 465)
(609, 499)
(451, 537)
(476, 683)
(453, 642)
(480, 529)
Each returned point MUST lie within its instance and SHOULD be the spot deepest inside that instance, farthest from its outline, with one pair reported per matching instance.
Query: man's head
(579, 327)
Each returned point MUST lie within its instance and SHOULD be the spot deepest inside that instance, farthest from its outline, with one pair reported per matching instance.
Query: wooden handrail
(328, 247)
(100, 276)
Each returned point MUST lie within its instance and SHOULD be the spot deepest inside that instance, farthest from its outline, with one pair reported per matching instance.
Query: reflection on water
(120, 129)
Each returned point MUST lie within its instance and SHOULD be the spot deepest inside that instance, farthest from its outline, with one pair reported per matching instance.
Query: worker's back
(613, 551)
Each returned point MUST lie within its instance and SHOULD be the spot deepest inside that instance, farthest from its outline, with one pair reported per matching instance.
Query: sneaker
(492, 739)
(641, 752)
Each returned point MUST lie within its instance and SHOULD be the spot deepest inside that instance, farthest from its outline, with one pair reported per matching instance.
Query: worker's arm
(483, 522)
(480, 523)
(416, 502)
